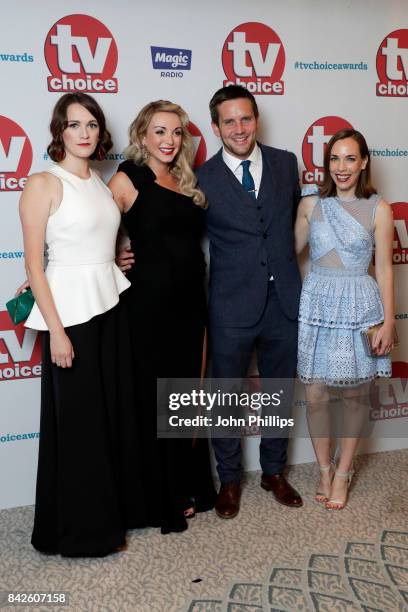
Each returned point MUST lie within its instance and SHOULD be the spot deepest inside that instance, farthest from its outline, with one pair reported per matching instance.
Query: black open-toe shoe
(189, 508)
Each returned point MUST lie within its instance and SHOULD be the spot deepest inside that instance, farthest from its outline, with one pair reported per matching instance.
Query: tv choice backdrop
(400, 245)
(308, 84)
(253, 56)
(389, 397)
(20, 353)
(81, 55)
(392, 65)
(16, 155)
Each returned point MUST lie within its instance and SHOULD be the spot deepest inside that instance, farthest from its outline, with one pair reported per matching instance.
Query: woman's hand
(62, 352)
(385, 339)
(22, 288)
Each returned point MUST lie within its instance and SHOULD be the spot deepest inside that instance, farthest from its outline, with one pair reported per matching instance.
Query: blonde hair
(181, 167)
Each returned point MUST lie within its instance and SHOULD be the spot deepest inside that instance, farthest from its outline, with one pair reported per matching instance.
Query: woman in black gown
(163, 214)
(84, 503)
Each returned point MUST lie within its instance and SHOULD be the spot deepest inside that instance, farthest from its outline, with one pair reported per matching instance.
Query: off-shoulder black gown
(167, 307)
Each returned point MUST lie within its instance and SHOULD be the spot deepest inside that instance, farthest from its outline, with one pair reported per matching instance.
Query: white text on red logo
(81, 55)
(253, 56)
(16, 155)
(20, 355)
(392, 65)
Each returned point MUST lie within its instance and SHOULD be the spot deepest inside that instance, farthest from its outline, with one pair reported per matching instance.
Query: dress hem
(332, 382)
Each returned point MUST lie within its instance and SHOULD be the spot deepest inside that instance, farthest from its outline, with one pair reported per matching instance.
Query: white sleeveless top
(81, 239)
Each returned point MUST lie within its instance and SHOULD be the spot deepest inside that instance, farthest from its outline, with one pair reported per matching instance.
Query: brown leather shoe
(227, 504)
(283, 492)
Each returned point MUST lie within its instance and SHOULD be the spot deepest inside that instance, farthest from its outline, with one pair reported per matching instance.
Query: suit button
(261, 220)
(265, 235)
(258, 207)
(263, 263)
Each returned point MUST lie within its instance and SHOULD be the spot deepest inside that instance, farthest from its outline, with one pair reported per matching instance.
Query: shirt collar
(233, 162)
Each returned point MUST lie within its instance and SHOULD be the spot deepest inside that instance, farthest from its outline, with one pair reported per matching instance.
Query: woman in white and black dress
(84, 498)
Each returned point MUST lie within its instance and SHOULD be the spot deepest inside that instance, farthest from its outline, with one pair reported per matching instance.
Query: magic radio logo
(400, 245)
(389, 396)
(314, 145)
(392, 65)
(16, 155)
(20, 351)
(200, 148)
(171, 61)
(81, 55)
(253, 56)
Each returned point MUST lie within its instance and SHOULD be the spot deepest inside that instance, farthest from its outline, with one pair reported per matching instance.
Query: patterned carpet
(269, 558)
(366, 576)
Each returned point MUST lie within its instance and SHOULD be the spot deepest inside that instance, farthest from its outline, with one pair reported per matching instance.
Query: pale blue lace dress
(339, 298)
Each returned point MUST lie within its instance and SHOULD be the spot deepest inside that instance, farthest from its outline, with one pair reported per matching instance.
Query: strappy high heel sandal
(339, 504)
(320, 496)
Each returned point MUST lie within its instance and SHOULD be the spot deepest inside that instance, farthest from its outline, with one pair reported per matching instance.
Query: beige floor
(157, 573)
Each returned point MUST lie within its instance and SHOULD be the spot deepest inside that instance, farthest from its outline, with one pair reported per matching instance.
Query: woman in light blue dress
(342, 221)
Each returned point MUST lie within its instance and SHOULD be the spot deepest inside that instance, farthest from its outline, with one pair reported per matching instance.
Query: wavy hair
(364, 187)
(181, 166)
(56, 149)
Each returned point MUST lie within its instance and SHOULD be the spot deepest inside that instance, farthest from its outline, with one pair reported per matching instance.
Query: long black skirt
(167, 342)
(85, 498)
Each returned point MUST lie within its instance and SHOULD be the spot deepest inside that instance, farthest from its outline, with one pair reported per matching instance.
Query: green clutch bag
(20, 307)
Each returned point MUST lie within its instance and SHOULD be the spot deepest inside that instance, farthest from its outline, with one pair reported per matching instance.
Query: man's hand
(125, 259)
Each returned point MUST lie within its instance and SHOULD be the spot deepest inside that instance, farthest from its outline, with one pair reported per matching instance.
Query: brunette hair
(59, 122)
(181, 166)
(230, 92)
(364, 187)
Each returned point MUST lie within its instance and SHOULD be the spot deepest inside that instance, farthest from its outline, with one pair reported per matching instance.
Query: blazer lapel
(267, 196)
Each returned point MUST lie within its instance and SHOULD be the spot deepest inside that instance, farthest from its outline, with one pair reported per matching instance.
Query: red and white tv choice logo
(253, 56)
(392, 65)
(400, 246)
(314, 145)
(200, 148)
(20, 351)
(81, 55)
(389, 396)
(16, 155)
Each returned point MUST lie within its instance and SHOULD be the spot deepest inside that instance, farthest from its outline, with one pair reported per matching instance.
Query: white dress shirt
(255, 168)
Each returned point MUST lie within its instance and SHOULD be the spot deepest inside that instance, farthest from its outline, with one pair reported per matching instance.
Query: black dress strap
(139, 174)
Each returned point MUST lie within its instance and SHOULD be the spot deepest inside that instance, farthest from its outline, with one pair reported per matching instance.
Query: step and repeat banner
(314, 66)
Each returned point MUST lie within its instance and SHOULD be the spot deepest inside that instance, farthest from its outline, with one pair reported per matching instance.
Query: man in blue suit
(253, 193)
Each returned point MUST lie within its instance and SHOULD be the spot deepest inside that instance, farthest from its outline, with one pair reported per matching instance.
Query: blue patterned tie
(247, 178)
